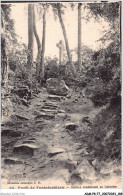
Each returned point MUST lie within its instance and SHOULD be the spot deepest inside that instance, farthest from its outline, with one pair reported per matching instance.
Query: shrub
(104, 77)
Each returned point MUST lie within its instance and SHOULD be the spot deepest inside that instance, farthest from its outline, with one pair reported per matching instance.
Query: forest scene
(61, 94)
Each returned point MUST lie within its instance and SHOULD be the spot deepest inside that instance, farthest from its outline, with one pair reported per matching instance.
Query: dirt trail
(38, 143)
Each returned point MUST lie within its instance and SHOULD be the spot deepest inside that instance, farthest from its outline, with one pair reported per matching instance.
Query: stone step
(12, 160)
(28, 142)
(25, 149)
(48, 111)
(54, 98)
(49, 107)
(50, 104)
(45, 116)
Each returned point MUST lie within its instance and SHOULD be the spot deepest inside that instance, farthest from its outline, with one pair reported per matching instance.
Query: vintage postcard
(61, 95)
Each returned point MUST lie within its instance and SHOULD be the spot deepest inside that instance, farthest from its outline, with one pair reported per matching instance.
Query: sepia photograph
(61, 95)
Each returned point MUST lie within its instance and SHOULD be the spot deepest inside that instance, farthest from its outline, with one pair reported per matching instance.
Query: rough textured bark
(43, 45)
(30, 38)
(66, 40)
(4, 61)
(79, 37)
(38, 44)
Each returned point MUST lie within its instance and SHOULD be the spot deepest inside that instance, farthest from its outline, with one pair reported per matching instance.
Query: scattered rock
(108, 134)
(25, 149)
(62, 176)
(62, 115)
(95, 163)
(39, 121)
(40, 126)
(11, 132)
(75, 179)
(57, 87)
(109, 167)
(86, 120)
(21, 117)
(12, 160)
(25, 102)
(71, 126)
(36, 113)
(85, 170)
(13, 123)
(68, 96)
(32, 138)
(53, 154)
(74, 101)
(70, 166)
(55, 151)
(45, 116)
(61, 111)
(43, 166)
(62, 156)
(82, 151)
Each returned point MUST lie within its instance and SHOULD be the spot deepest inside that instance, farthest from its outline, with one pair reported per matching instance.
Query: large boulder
(84, 172)
(57, 87)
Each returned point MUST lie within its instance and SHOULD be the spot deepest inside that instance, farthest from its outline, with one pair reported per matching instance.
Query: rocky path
(38, 145)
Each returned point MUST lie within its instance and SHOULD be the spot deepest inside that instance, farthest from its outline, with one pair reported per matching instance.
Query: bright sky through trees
(91, 31)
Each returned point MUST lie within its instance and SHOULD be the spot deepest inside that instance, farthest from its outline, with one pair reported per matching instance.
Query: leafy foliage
(108, 11)
(16, 52)
(105, 84)
(9, 30)
(106, 134)
(17, 56)
(51, 67)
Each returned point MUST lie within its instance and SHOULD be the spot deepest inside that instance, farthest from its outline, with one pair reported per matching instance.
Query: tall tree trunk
(4, 61)
(38, 44)
(66, 40)
(30, 40)
(4, 64)
(43, 45)
(79, 37)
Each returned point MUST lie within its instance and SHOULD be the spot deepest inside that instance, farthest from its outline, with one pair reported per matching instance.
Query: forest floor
(48, 142)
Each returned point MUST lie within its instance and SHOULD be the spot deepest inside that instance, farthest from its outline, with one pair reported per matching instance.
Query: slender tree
(58, 6)
(43, 45)
(30, 39)
(79, 37)
(38, 44)
(4, 62)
